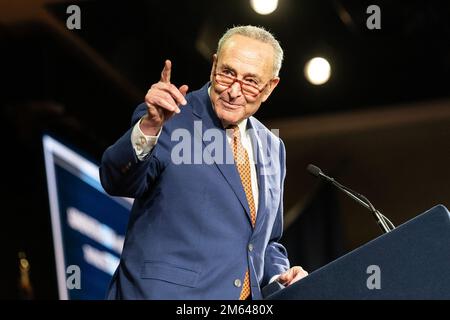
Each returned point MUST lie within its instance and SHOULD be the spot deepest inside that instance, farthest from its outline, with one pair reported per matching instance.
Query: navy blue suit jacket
(190, 235)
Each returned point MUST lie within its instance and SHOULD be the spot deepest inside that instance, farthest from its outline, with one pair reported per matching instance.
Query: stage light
(264, 6)
(317, 71)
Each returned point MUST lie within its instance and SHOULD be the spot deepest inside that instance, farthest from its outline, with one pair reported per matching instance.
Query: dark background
(380, 125)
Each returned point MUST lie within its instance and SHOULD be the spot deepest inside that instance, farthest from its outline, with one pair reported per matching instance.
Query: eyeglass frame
(241, 82)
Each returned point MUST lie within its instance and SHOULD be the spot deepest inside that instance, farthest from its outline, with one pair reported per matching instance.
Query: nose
(235, 90)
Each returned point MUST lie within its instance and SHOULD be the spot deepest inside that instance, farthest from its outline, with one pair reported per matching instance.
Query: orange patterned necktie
(242, 162)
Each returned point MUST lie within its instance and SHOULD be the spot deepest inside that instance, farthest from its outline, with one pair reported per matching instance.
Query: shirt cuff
(275, 277)
(142, 143)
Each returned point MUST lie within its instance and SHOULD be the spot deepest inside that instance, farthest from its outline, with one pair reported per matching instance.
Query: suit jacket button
(237, 283)
(250, 247)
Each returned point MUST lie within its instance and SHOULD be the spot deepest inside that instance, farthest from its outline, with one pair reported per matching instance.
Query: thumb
(184, 89)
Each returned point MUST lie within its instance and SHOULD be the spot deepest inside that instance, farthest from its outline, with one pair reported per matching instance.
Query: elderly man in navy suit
(207, 179)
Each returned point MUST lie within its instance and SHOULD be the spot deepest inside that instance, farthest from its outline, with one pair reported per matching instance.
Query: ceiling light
(317, 71)
(264, 6)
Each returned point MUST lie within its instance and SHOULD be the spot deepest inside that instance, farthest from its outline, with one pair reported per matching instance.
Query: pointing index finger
(165, 74)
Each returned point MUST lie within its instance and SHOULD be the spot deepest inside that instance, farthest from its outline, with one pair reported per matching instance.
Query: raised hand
(163, 101)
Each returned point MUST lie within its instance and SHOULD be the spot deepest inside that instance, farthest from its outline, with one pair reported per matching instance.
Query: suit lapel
(202, 109)
(259, 153)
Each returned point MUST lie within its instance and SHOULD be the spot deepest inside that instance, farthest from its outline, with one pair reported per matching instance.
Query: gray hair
(257, 33)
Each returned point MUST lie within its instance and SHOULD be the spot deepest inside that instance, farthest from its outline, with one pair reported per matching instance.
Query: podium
(410, 262)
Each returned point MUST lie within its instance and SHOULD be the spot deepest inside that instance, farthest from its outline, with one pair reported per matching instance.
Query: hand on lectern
(292, 275)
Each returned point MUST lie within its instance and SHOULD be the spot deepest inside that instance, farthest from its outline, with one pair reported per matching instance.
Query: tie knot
(235, 129)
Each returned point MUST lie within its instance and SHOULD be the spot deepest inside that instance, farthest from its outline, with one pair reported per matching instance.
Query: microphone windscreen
(315, 171)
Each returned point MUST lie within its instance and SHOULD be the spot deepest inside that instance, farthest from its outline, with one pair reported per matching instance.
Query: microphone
(382, 221)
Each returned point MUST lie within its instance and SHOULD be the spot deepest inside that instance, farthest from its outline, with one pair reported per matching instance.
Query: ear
(213, 67)
(272, 84)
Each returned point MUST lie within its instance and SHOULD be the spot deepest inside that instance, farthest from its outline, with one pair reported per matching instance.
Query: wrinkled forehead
(247, 55)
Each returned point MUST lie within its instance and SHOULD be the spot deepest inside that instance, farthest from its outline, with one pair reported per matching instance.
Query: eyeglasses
(248, 89)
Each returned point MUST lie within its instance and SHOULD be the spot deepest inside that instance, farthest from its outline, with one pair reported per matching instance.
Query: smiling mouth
(229, 105)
